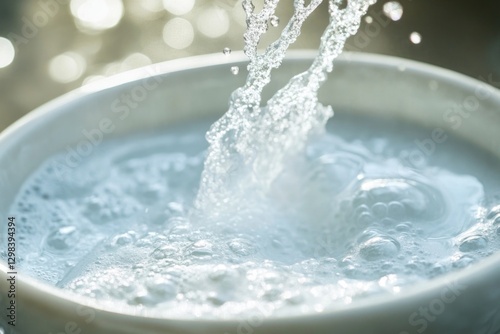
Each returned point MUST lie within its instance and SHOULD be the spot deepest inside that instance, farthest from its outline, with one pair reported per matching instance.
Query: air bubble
(162, 289)
(473, 243)
(201, 248)
(379, 210)
(494, 212)
(226, 51)
(124, 239)
(396, 210)
(241, 247)
(463, 261)
(379, 247)
(163, 252)
(404, 227)
(364, 218)
(62, 239)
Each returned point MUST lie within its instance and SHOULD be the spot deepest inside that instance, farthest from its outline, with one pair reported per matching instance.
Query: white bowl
(192, 88)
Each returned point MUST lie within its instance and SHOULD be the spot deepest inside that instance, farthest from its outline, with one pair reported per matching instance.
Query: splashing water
(118, 228)
(253, 141)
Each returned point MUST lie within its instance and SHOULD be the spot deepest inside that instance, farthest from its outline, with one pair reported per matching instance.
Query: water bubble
(379, 210)
(463, 261)
(473, 243)
(63, 238)
(201, 248)
(364, 218)
(162, 289)
(274, 20)
(404, 227)
(368, 19)
(494, 212)
(415, 38)
(235, 70)
(124, 239)
(216, 299)
(393, 10)
(396, 210)
(497, 221)
(226, 51)
(163, 252)
(242, 247)
(379, 247)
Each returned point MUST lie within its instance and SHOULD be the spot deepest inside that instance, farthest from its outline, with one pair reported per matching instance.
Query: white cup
(466, 301)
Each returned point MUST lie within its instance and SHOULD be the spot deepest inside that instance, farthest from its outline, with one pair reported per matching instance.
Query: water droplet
(415, 38)
(393, 10)
(275, 21)
(368, 19)
(226, 51)
(379, 247)
(473, 243)
(235, 70)
(241, 247)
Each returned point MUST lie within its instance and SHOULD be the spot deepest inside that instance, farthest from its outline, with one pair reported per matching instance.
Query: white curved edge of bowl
(420, 290)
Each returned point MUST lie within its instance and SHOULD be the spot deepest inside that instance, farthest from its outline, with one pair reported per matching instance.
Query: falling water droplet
(235, 70)
(393, 10)
(415, 38)
(275, 21)
(226, 51)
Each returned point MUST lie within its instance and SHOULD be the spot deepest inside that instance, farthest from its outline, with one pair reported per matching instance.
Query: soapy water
(342, 222)
(287, 219)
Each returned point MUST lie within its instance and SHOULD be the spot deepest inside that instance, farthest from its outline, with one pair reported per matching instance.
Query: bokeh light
(178, 33)
(393, 10)
(213, 22)
(67, 67)
(7, 52)
(135, 60)
(415, 38)
(178, 7)
(96, 15)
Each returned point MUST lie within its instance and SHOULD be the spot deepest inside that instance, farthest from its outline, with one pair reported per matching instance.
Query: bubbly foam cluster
(341, 223)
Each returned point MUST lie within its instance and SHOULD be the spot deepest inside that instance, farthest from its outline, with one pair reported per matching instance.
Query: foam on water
(340, 223)
(288, 219)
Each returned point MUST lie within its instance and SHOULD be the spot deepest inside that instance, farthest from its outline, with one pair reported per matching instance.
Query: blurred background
(49, 47)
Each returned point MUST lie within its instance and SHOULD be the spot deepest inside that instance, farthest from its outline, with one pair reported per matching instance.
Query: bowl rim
(54, 295)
